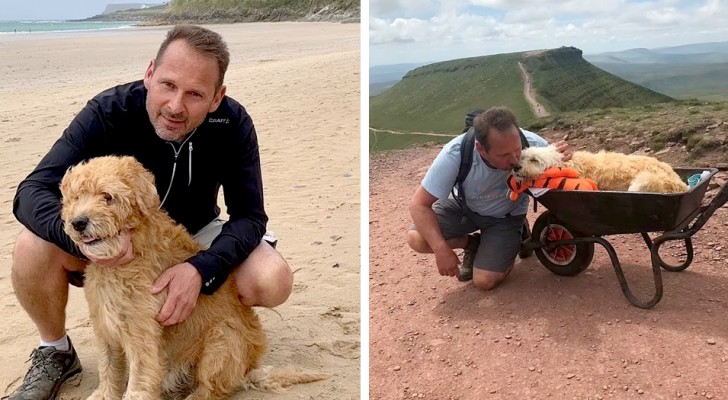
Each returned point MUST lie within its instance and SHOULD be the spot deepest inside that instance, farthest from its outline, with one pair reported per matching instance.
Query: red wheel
(566, 260)
(561, 255)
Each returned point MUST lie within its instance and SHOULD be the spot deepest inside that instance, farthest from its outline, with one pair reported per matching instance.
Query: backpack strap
(524, 141)
(466, 161)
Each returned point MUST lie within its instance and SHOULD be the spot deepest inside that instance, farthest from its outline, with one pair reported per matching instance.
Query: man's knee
(488, 280)
(416, 242)
(28, 248)
(265, 278)
(34, 257)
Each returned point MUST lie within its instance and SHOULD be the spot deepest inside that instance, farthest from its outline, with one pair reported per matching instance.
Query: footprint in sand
(348, 349)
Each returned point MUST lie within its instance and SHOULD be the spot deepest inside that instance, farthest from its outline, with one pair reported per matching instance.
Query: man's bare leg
(40, 282)
(417, 243)
(264, 278)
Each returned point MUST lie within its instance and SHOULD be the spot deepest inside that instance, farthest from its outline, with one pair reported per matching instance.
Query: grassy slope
(436, 97)
(696, 132)
(381, 141)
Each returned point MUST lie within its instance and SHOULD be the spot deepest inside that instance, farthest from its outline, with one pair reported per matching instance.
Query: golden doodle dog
(610, 171)
(109, 201)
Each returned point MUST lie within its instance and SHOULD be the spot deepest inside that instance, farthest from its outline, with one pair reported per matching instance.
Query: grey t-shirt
(486, 191)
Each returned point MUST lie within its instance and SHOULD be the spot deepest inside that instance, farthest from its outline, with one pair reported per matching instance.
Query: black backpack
(466, 155)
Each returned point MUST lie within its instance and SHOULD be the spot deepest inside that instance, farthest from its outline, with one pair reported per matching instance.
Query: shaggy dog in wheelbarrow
(213, 353)
(610, 171)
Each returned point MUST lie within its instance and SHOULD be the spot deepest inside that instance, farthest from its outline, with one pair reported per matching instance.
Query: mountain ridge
(435, 97)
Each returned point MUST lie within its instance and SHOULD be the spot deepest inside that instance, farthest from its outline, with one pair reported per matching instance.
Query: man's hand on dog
(183, 284)
(563, 147)
(123, 258)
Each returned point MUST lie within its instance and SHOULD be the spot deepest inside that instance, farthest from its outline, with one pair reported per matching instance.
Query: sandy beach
(300, 82)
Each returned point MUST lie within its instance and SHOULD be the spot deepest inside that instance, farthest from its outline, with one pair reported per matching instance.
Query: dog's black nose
(79, 223)
(517, 168)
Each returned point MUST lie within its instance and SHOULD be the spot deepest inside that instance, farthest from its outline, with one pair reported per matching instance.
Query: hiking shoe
(48, 370)
(466, 271)
(525, 252)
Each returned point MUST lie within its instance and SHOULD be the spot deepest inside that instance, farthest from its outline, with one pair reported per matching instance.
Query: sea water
(29, 26)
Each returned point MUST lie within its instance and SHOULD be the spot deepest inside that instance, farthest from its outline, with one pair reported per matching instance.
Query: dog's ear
(141, 182)
(65, 184)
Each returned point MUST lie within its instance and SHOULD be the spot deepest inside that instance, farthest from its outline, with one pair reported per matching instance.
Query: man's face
(181, 90)
(505, 148)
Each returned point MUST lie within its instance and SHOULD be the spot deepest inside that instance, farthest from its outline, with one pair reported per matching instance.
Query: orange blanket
(553, 178)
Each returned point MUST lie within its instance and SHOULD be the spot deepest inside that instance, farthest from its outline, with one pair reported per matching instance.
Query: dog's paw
(139, 395)
(100, 394)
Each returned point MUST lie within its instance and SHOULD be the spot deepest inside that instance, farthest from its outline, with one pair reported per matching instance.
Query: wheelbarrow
(564, 235)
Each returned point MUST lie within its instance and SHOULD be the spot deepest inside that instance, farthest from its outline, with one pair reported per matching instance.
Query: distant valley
(697, 71)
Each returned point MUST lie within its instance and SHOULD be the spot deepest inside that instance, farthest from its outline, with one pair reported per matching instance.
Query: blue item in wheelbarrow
(564, 236)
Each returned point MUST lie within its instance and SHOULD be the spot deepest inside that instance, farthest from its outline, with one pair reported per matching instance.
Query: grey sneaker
(48, 370)
(466, 271)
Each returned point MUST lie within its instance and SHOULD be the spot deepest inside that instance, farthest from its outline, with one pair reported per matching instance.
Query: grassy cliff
(260, 10)
(564, 81)
(230, 11)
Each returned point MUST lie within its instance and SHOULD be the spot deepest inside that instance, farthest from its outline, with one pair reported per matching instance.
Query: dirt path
(530, 94)
(374, 139)
(410, 133)
(538, 336)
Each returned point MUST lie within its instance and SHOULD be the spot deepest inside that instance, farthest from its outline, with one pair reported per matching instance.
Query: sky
(12, 10)
(419, 31)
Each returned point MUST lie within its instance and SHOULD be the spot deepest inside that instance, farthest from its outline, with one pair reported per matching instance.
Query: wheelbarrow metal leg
(656, 272)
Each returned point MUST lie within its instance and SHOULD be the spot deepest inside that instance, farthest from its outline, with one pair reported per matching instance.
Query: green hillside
(435, 97)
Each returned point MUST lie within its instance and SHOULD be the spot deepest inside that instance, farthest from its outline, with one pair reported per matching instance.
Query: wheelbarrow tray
(599, 213)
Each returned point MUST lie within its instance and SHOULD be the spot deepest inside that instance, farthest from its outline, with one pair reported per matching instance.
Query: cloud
(664, 17)
(401, 8)
(463, 28)
(441, 29)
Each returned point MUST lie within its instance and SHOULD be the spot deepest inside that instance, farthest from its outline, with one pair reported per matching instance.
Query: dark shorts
(500, 238)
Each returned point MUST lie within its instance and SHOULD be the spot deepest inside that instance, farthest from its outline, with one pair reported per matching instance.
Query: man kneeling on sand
(179, 124)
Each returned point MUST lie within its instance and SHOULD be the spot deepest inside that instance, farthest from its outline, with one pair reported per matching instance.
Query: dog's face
(535, 160)
(103, 201)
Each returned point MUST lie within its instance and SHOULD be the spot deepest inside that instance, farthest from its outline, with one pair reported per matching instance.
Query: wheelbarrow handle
(707, 211)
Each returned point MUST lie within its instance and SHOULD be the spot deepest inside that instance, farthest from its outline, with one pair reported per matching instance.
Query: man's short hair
(204, 41)
(500, 118)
